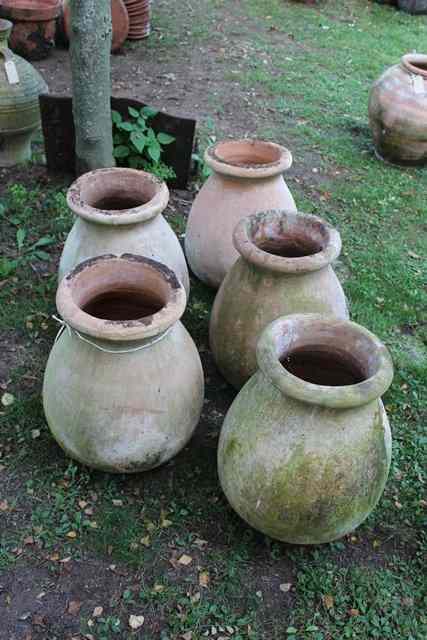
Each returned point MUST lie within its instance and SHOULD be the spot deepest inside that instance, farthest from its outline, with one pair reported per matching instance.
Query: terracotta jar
(119, 19)
(120, 210)
(284, 267)
(398, 112)
(33, 34)
(247, 178)
(20, 87)
(123, 387)
(305, 449)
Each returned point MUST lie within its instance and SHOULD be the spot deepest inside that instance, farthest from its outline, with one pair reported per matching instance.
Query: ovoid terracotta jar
(398, 112)
(284, 267)
(20, 87)
(305, 449)
(247, 178)
(119, 21)
(34, 25)
(123, 387)
(120, 210)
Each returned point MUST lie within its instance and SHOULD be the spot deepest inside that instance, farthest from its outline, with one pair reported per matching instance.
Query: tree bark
(90, 48)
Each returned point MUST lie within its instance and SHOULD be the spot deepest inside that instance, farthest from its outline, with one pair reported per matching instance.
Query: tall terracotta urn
(34, 25)
(247, 178)
(123, 387)
(305, 449)
(20, 87)
(284, 267)
(398, 112)
(120, 210)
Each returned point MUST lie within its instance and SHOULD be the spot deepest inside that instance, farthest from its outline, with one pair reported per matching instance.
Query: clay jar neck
(248, 159)
(121, 299)
(286, 243)
(415, 64)
(324, 361)
(5, 31)
(115, 197)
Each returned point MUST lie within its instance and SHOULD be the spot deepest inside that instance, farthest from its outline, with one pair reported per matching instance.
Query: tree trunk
(90, 49)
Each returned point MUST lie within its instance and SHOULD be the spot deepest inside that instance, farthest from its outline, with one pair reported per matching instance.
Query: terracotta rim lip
(25, 11)
(244, 244)
(118, 330)
(240, 170)
(141, 213)
(410, 60)
(270, 351)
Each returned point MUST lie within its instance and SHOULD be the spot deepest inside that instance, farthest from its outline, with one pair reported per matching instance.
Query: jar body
(251, 297)
(128, 412)
(398, 116)
(220, 204)
(153, 238)
(302, 473)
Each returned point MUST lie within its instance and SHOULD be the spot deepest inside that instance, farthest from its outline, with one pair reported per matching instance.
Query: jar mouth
(248, 158)
(287, 242)
(121, 298)
(415, 63)
(324, 361)
(31, 10)
(117, 196)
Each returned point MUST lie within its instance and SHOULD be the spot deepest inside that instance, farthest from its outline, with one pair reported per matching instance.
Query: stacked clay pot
(120, 210)
(398, 113)
(284, 267)
(139, 18)
(19, 102)
(34, 25)
(123, 387)
(247, 178)
(305, 449)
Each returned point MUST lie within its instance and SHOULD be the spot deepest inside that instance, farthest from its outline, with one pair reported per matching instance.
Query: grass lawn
(72, 540)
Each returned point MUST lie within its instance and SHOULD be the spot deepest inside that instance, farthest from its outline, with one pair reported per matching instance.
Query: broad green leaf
(133, 112)
(151, 136)
(44, 242)
(154, 151)
(149, 112)
(118, 138)
(141, 124)
(121, 151)
(138, 140)
(42, 255)
(116, 117)
(20, 238)
(126, 126)
(165, 138)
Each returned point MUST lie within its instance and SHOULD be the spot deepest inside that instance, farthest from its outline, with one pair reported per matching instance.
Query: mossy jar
(119, 210)
(285, 266)
(123, 387)
(305, 449)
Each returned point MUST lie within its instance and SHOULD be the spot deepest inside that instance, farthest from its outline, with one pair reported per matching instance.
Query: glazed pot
(247, 178)
(305, 449)
(413, 6)
(19, 102)
(398, 112)
(120, 210)
(33, 34)
(123, 387)
(119, 21)
(284, 267)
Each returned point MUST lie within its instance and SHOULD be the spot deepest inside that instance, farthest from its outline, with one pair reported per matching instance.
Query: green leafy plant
(137, 145)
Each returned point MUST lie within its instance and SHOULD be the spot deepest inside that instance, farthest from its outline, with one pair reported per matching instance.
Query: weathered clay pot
(33, 34)
(305, 449)
(120, 210)
(284, 267)
(413, 6)
(123, 387)
(19, 103)
(247, 178)
(398, 112)
(119, 20)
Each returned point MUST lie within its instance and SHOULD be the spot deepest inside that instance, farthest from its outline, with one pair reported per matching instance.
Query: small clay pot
(119, 19)
(285, 267)
(247, 178)
(398, 113)
(33, 34)
(120, 210)
(123, 387)
(305, 449)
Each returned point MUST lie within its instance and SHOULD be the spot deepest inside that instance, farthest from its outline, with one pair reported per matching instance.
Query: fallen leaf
(4, 505)
(412, 254)
(150, 526)
(89, 511)
(97, 612)
(185, 560)
(187, 636)
(204, 579)
(35, 433)
(74, 607)
(82, 504)
(195, 598)
(328, 601)
(7, 399)
(159, 588)
(135, 622)
(71, 534)
(285, 587)
(65, 560)
(166, 523)
(200, 543)
(146, 541)
(117, 503)
(230, 630)
(354, 613)
(54, 557)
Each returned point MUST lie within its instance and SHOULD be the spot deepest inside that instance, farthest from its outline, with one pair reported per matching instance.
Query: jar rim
(30, 10)
(312, 330)
(107, 181)
(412, 61)
(322, 241)
(248, 158)
(115, 274)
